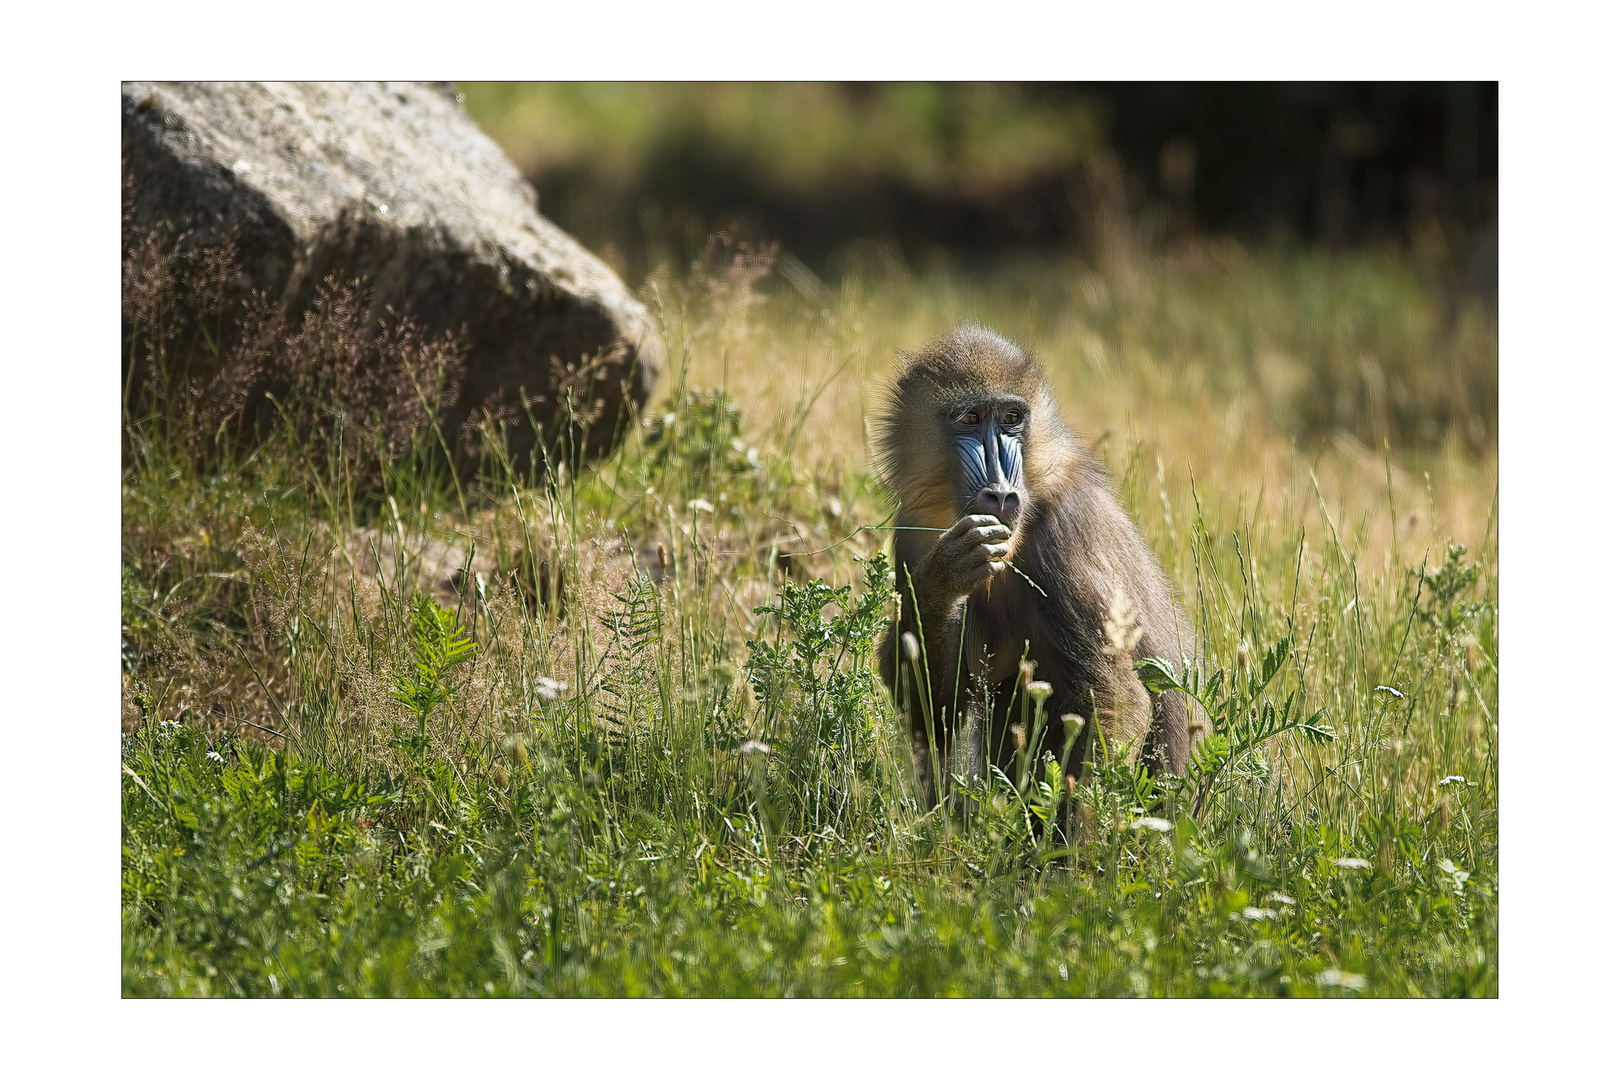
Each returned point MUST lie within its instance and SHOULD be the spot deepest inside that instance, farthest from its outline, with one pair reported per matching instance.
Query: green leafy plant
(439, 644)
(1242, 715)
(815, 685)
(1444, 607)
(820, 663)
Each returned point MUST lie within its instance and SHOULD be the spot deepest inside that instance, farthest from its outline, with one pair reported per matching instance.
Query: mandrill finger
(965, 523)
(975, 522)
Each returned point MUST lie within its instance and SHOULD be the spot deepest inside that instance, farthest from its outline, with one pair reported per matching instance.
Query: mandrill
(988, 477)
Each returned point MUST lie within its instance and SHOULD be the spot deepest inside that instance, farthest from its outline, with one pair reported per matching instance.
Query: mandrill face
(988, 435)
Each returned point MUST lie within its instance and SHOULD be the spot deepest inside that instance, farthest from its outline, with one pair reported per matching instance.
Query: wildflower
(1020, 737)
(1281, 898)
(1458, 876)
(1453, 780)
(909, 646)
(1157, 824)
(214, 756)
(1255, 914)
(700, 506)
(1346, 979)
(753, 746)
(549, 688)
(1352, 863)
(1040, 691)
(1390, 690)
(1073, 723)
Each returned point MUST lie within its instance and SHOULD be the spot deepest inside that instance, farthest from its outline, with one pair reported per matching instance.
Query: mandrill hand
(967, 554)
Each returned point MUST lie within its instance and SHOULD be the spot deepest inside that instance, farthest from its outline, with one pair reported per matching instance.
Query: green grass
(685, 779)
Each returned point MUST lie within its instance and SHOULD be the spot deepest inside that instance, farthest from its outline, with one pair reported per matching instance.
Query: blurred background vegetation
(1326, 251)
(953, 172)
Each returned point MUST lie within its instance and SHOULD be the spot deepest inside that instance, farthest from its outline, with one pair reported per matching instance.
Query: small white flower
(753, 746)
(1039, 690)
(1157, 824)
(1257, 913)
(1072, 724)
(1453, 780)
(1352, 863)
(212, 756)
(1281, 898)
(1346, 979)
(549, 688)
(1389, 690)
(701, 506)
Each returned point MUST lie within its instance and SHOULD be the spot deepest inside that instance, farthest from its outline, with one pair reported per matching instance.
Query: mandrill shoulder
(1081, 545)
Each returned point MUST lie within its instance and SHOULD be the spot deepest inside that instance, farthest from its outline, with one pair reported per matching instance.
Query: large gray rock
(394, 183)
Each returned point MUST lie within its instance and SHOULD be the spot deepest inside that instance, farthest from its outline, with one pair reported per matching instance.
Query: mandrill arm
(934, 582)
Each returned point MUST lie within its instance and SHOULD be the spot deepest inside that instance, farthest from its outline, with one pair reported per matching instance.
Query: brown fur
(1072, 538)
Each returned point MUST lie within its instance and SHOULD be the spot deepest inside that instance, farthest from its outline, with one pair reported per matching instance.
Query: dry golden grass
(1193, 366)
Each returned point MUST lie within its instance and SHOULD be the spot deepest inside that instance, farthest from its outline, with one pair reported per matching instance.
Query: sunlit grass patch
(615, 729)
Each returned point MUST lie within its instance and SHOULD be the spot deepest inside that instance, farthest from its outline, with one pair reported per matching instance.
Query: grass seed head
(909, 645)
(1121, 627)
(1026, 672)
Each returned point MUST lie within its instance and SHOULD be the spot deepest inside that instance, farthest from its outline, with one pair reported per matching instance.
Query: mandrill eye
(971, 416)
(1013, 417)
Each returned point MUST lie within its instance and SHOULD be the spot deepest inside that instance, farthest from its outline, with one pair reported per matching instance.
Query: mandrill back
(987, 475)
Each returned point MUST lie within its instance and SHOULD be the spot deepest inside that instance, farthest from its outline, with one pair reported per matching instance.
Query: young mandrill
(971, 443)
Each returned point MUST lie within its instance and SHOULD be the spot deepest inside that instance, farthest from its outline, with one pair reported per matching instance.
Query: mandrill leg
(1124, 713)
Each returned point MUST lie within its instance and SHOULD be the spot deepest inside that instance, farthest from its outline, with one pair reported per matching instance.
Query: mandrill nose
(1002, 502)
